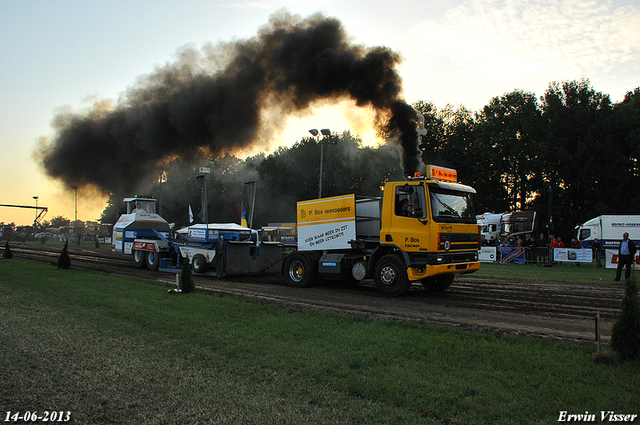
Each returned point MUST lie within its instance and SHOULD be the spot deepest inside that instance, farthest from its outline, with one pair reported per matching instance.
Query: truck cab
(431, 225)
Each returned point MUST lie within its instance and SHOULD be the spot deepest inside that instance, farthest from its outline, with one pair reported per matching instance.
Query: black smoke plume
(213, 100)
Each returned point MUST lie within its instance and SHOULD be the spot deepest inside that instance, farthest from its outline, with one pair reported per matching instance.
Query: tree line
(571, 155)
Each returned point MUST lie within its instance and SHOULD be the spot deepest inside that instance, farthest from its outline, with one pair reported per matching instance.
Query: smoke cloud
(214, 100)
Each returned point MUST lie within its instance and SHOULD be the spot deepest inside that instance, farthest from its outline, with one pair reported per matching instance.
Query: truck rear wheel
(391, 276)
(199, 263)
(437, 283)
(153, 260)
(139, 258)
(297, 271)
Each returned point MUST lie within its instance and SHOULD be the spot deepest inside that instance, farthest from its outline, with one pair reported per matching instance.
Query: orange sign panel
(442, 173)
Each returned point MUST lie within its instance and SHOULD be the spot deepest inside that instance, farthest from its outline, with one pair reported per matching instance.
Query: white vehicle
(609, 229)
(489, 225)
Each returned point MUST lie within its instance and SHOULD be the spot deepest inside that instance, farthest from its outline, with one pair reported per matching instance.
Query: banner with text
(612, 259)
(327, 223)
(488, 254)
(512, 255)
(572, 255)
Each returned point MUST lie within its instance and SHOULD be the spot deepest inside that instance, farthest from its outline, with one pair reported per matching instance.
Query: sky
(62, 55)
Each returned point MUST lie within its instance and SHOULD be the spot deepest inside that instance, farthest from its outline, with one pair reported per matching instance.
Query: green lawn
(111, 349)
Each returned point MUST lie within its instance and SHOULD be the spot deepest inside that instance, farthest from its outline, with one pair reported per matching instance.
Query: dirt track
(560, 311)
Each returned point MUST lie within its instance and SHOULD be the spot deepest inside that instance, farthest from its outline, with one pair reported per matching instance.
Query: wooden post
(598, 331)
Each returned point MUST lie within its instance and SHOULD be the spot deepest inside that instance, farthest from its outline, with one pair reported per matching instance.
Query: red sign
(144, 246)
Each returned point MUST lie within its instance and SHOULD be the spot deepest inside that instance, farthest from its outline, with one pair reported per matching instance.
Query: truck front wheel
(437, 283)
(391, 276)
(139, 258)
(297, 271)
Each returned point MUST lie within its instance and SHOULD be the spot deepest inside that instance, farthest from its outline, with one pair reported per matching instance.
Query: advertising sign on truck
(328, 223)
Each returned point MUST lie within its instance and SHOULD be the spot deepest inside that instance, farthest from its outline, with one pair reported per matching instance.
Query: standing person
(626, 252)
(541, 249)
(553, 244)
(596, 247)
(527, 244)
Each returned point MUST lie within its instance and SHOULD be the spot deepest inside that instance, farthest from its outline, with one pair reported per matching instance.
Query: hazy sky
(65, 55)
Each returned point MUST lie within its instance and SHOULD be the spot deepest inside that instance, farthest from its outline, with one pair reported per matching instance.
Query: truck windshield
(451, 207)
(142, 205)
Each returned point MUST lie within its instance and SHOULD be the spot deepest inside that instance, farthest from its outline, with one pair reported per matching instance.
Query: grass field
(118, 350)
(567, 272)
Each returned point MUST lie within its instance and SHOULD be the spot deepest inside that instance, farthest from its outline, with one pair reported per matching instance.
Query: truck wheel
(199, 263)
(139, 258)
(297, 271)
(437, 283)
(153, 260)
(391, 276)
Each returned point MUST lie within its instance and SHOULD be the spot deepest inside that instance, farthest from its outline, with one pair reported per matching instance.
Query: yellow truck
(421, 230)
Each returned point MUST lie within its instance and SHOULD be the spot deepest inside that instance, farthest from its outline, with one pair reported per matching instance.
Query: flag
(243, 217)
(190, 215)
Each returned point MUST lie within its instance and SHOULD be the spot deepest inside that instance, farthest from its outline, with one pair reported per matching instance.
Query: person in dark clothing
(541, 249)
(626, 252)
(596, 247)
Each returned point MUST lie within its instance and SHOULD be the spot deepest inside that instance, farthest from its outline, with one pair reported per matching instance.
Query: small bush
(625, 335)
(64, 261)
(186, 278)
(7, 251)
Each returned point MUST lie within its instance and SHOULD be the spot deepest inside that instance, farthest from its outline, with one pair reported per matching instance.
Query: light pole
(75, 208)
(316, 134)
(35, 220)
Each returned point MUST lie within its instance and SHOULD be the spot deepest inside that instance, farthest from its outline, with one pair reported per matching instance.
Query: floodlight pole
(75, 214)
(316, 134)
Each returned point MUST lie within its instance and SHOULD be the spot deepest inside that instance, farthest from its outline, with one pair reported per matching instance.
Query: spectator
(626, 252)
(541, 249)
(559, 243)
(576, 245)
(527, 244)
(596, 247)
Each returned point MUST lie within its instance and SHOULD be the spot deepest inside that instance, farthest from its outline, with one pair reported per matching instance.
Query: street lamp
(325, 132)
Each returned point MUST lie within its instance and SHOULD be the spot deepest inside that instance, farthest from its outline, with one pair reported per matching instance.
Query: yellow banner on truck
(327, 223)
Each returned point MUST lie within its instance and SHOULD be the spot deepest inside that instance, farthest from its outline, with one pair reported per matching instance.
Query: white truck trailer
(608, 229)
(489, 225)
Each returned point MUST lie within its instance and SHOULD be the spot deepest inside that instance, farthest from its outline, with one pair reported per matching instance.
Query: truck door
(408, 224)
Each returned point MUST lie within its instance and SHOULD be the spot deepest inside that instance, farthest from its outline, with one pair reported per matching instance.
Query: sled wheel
(139, 258)
(153, 260)
(199, 263)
